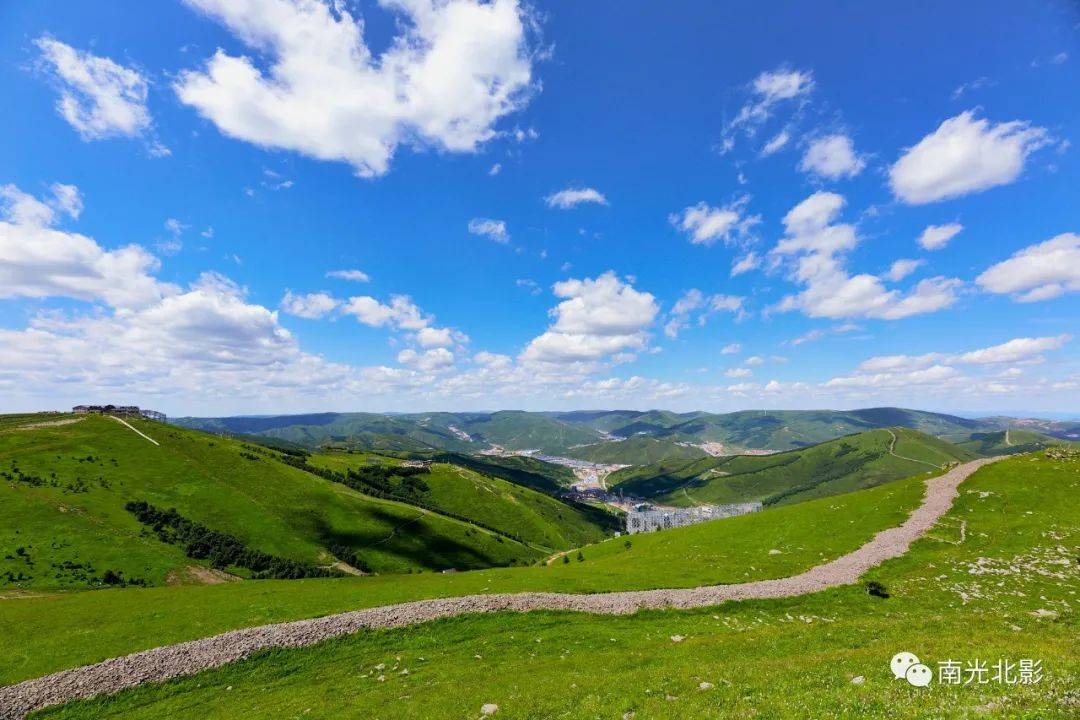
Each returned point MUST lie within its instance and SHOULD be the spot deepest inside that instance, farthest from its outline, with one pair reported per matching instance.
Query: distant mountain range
(561, 433)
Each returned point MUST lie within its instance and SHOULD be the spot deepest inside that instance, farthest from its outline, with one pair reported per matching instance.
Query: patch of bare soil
(50, 423)
(199, 574)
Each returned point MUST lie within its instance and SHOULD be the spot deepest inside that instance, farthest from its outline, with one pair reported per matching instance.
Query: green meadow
(63, 500)
(996, 579)
(42, 634)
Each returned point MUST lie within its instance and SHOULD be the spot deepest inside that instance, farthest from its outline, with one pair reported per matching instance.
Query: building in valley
(647, 518)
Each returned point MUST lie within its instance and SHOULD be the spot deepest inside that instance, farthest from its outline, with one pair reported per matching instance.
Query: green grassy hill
(532, 473)
(517, 430)
(559, 433)
(772, 429)
(638, 450)
(956, 595)
(63, 521)
(491, 502)
(1007, 442)
(367, 431)
(459, 432)
(838, 466)
(50, 632)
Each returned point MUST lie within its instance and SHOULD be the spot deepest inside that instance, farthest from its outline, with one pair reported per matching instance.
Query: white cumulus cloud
(815, 244)
(965, 154)
(705, 224)
(39, 260)
(1038, 272)
(597, 318)
(455, 68)
(572, 197)
(494, 230)
(98, 97)
(310, 306)
(902, 268)
(935, 237)
(832, 157)
(434, 360)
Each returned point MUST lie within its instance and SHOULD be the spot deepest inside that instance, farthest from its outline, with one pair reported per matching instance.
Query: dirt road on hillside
(192, 657)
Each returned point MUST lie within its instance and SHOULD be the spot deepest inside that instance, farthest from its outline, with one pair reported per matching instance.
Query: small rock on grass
(677, 638)
(489, 709)
(705, 686)
(858, 680)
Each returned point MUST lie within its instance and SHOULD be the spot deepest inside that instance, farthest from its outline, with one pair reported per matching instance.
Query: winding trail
(892, 451)
(191, 657)
(134, 430)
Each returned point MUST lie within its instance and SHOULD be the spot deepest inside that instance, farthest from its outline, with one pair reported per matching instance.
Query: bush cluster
(221, 549)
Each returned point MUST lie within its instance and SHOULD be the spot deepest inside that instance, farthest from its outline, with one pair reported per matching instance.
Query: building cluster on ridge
(119, 411)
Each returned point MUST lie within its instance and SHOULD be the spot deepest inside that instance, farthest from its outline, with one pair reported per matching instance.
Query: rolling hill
(837, 466)
(560, 433)
(491, 502)
(65, 518)
(1007, 442)
(636, 450)
(775, 430)
(460, 432)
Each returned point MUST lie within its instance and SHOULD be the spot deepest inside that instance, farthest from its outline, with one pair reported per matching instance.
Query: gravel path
(194, 656)
(134, 429)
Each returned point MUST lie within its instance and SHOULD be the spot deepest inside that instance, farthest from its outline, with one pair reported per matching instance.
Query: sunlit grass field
(89, 470)
(520, 512)
(44, 634)
(998, 578)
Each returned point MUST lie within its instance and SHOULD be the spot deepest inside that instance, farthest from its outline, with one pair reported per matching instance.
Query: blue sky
(576, 205)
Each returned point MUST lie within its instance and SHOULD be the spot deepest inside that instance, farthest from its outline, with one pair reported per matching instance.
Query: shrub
(876, 589)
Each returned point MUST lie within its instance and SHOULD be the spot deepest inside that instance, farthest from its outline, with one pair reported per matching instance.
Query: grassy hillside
(557, 433)
(838, 466)
(516, 430)
(367, 431)
(1068, 430)
(42, 634)
(769, 430)
(955, 596)
(460, 432)
(491, 502)
(1007, 442)
(637, 450)
(64, 489)
(530, 472)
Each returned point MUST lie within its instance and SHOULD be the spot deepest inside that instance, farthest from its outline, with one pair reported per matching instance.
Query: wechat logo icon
(905, 665)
